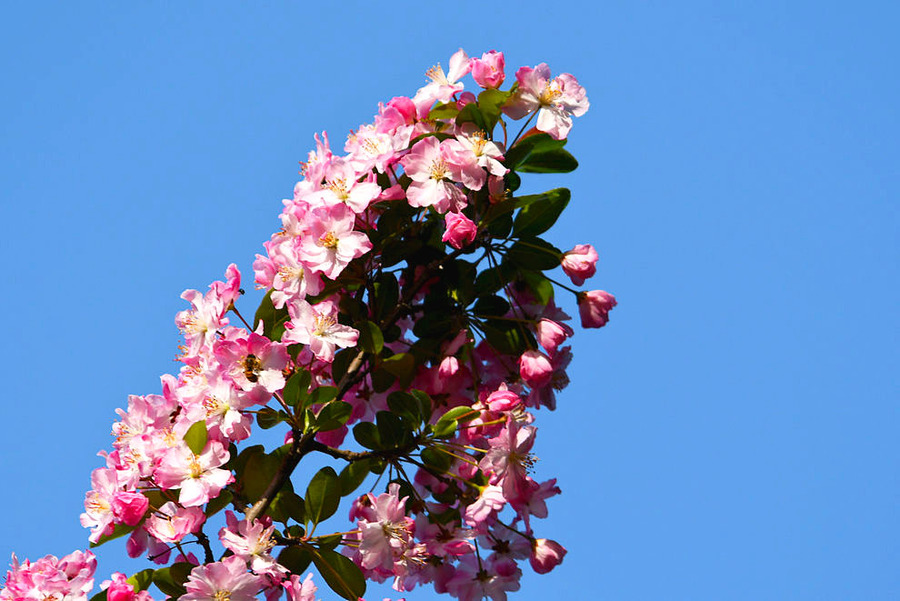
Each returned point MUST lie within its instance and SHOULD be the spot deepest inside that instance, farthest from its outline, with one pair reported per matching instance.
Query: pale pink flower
(252, 543)
(388, 534)
(487, 71)
(198, 476)
(171, 523)
(580, 263)
(300, 591)
(556, 100)
(332, 242)
(443, 85)
(460, 230)
(318, 326)
(68, 579)
(254, 362)
(226, 579)
(285, 273)
(433, 171)
(594, 308)
(341, 186)
(489, 502)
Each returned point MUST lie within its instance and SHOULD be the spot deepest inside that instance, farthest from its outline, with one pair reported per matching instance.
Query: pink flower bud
(502, 399)
(546, 554)
(460, 230)
(594, 308)
(535, 369)
(464, 99)
(551, 334)
(487, 71)
(580, 263)
(130, 507)
(119, 589)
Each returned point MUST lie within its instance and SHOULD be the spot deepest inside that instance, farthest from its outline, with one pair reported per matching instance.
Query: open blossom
(443, 85)
(252, 543)
(332, 242)
(318, 326)
(207, 313)
(171, 523)
(226, 579)
(386, 532)
(433, 169)
(557, 100)
(68, 579)
(198, 476)
(254, 362)
(300, 591)
(580, 263)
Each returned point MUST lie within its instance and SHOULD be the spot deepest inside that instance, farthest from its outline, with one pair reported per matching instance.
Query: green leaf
(258, 471)
(444, 110)
(323, 495)
(462, 414)
(539, 143)
(340, 573)
(287, 505)
(490, 102)
(537, 217)
(425, 404)
(493, 306)
(387, 295)
(406, 406)
(101, 596)
(119, 531)
(142, 580)
(333, 415)
(322, 394)
(296, 558)
(552, 161)
(171, 580)
(296, 389)
(366, 434)
(444, 428)
(217, 504)
(391, 430)
(535, 254)
(371, 339)
(402, 366)
(353, 474)
(273, 319)
(341, 363)
(541, 288)
(436, 459)
(471, 114)
(267, 418)
(196, 437)
(508, 337)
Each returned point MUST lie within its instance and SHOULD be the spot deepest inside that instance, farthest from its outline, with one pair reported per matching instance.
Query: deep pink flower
(535, 369)
(460, 230)
(551, 334)
(594, 308)
(487, 71)
(546, 554)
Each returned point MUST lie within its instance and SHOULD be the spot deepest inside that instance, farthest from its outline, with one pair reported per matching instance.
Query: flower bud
(551, 334)
(594, 308)
(546, 554)
(535, 369)
(580, 263)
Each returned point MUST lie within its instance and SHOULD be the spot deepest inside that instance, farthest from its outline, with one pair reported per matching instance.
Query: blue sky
(732, 434)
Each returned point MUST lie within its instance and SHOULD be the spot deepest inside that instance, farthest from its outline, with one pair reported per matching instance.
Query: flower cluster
(406, 303)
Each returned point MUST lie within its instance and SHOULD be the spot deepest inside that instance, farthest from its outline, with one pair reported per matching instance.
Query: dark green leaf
(296, 389)
(489, 102)
(333, 415)
(401, 365)
(366, 434)
(353, 475)
(445, 427)
(425, 404)
(287, 505)
(322, 394)
(323, 495)
(295, 558)
(533, 144)
(340, 573)
(507, 337)
(370, 338)
(552, 161)
(171, 580)
(268, 418)
(406, 406)
(196, 437)
(494, 306)
(535, 254)
(101, 596)
(540, 287)
(258, 471)
(273, 319)
(217, 504)
(436, 459)
(539, 216)
(391, 430)
(387, 295)
(341, 363)
(471, 114)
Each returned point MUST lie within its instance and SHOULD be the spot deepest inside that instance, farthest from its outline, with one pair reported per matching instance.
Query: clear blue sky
(732, 434)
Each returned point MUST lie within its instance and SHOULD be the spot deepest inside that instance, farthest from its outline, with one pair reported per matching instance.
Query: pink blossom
(70, 578)
(556, 100)
(460, 230)
(535, 369)
(252, 543)
(318, 326)
(594, 308)
(551, 334)
(487, 71)
(580, 263)
(332, 243)
(433, 170)
(130, 507)
(443, 85)
(171, 523)
(119, 589)
(198, 476)
(300, 591)
(546, 555)
(226, 579)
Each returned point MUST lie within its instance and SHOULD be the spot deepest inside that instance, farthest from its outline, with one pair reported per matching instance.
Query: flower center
(439, 170)
(323, 324)
(549, 95)
(329, 240)
(222, 596)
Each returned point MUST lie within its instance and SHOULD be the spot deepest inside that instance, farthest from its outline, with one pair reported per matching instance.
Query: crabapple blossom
(580, 263)
(594, 308)
(487, 71)
(226, 579)
(557, 100)
(460, 230)
(318, 327)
